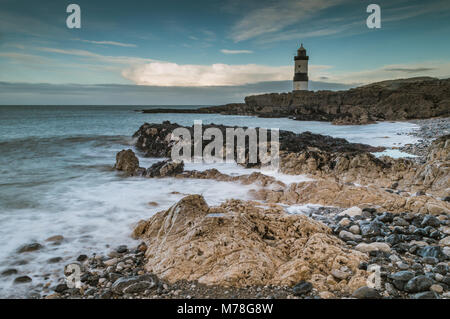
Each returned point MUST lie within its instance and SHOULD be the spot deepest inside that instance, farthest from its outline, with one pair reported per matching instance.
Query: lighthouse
(301, 70)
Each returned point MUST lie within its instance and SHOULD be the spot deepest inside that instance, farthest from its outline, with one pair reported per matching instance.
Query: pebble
(111, 262)
(54, 260)
(61, 288)
(122, 249)
(366, 248)
(55, 239)
(445, 241)
(22, 280)
(437, 288)
(418, 284)
(398, 221)
(29, 248)
(352, 212)
(438, 277)
(303, 287)
(82, 258)
(339, 274)
(426, 295)
(346, 235)
(366, 293)
(9, 272)
(354, 229)
(430, 220)
(401, 265)
(371, 229)
(402, 275)
(344, 222)
(138, 287)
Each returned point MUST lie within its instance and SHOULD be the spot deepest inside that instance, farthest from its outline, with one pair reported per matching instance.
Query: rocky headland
(395, 100)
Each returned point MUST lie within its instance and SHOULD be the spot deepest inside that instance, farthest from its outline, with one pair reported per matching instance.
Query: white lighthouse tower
(301, 70)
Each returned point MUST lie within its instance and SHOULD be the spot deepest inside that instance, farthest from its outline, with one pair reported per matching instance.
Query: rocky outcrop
(156, 140)
(329, 192)
(164, 169)
(434, 175)
(415, 98)
(324, 157)
(346, 175)
(390, 100)
(399, 174)
(242, 243)
(128, 162)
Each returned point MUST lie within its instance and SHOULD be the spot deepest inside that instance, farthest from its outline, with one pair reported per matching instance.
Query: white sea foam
(93, 212)
(305, 209)
(393, 153)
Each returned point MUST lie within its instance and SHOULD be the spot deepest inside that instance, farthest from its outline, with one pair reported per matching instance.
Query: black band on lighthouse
(301, 77)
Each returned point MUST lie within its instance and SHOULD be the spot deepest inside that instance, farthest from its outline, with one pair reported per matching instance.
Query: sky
(209, 51)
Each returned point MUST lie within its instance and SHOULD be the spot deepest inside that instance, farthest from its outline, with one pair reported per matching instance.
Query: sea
(57, 178)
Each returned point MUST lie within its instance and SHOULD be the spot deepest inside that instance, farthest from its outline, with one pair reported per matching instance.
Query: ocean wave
(34, 141)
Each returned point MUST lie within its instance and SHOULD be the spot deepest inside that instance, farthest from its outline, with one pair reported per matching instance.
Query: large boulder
(127, 161)
(241, 243)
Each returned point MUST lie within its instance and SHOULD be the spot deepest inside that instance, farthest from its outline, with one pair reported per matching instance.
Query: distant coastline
(404, 99)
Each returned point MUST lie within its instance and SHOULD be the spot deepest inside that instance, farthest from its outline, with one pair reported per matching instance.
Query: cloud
(104, 58)
(274, 18)
(294, 19)
(113, 43)
(409, 70)
(172, 74)
(437, 69)
(24, 58)
(225, 51)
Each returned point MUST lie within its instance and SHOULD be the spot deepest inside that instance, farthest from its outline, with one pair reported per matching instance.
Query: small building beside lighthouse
(301, 70)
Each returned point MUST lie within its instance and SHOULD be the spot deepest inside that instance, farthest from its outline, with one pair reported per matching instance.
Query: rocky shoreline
(393, 223)
(402, 245)
(429, 130)
(403, 99)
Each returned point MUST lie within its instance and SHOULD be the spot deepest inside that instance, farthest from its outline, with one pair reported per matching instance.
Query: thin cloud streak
(272, 19)
(225, 51)
(113, 43)
(104, 58)
(291, 19)
(438, 69)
